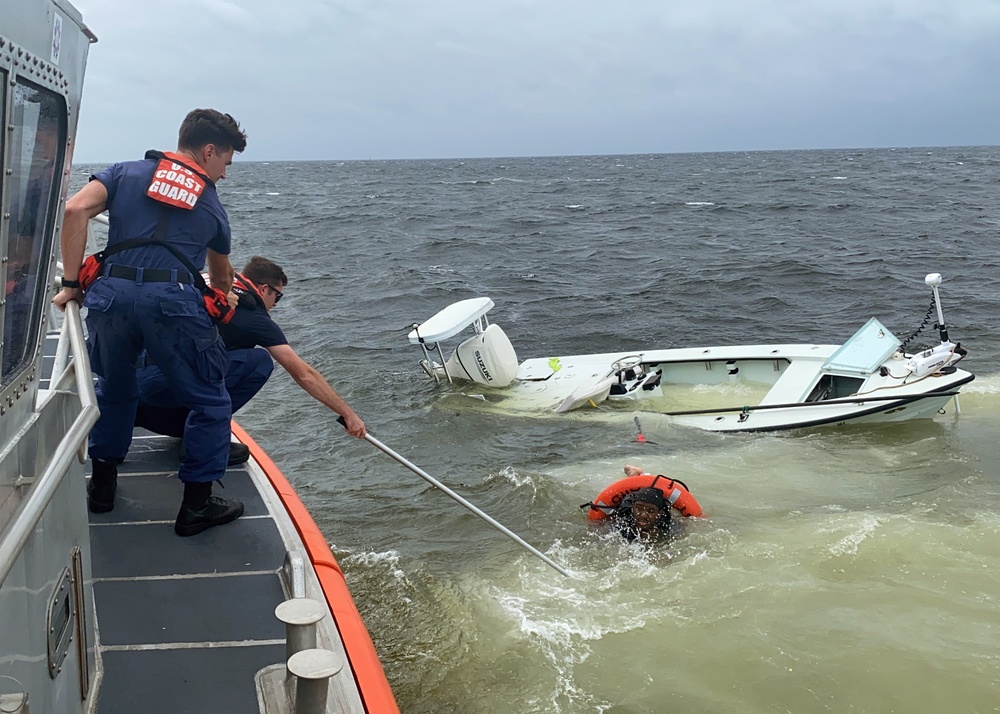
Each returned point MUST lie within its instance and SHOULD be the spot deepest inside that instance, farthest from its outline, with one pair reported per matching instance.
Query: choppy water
(846, 570)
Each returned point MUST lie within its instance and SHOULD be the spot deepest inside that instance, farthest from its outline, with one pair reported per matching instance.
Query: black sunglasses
(277, 294)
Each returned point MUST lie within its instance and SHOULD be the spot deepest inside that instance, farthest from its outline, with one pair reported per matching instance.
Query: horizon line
(238, 159)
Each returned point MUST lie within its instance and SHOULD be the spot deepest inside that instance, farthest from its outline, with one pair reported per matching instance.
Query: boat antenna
(933, 280)
(431, 480)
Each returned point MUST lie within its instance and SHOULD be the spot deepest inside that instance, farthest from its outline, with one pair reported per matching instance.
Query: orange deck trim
(376, 694)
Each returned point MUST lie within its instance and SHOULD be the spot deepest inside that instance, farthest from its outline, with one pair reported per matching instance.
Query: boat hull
(729, 389)
(806, 416)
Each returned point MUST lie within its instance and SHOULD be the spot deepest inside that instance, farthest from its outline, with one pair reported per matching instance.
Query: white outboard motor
(486, 358)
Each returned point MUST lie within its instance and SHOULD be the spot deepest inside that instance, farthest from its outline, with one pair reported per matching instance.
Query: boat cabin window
(834, 386)
(37, 145)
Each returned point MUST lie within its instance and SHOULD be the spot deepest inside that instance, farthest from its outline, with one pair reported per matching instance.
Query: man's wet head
(648, 508)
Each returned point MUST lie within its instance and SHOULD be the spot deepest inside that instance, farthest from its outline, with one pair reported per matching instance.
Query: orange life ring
(673, 491)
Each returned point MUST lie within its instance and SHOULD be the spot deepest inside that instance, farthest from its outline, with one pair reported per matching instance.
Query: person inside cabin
(253, 340)
(166, 224)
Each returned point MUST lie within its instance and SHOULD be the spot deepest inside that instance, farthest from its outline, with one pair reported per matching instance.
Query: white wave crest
(848, 545)
(510, 474)
(372, 559)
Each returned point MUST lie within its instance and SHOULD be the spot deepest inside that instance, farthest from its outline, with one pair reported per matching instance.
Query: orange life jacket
(246, 288)
(174, 182)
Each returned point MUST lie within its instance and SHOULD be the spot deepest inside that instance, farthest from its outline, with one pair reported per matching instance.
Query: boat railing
(75, 372)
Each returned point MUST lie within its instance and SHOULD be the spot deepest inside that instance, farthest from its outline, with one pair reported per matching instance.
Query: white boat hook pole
(434, 482)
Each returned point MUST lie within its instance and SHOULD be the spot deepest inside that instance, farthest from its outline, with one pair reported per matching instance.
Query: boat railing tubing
(71, 445)
(902, 399)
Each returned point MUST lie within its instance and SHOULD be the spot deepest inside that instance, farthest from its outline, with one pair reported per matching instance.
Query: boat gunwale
(369, 676)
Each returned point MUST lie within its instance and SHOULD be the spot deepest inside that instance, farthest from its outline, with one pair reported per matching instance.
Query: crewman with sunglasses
(253, 338)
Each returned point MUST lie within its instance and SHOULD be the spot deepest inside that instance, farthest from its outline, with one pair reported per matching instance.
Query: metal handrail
(47, 484)
(60, 359)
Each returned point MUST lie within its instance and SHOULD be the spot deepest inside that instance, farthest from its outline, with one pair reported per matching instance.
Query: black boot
(102, 486)
(200, 510)
(239, 453)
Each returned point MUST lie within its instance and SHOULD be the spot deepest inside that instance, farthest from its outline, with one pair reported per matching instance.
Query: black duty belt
(148, 275)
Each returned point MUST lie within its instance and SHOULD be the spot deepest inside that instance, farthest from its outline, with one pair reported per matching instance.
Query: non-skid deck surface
(184, 623)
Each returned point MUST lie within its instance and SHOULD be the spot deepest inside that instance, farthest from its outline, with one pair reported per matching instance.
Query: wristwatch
(70, 283)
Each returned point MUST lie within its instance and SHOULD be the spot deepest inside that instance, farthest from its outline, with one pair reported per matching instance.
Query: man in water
(252, 339)
(644, 515)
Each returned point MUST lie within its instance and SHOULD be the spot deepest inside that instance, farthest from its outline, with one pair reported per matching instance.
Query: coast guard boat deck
(199, 612)
(114, 613)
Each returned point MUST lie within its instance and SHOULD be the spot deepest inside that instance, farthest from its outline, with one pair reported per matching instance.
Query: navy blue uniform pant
(169, 321)
(161, 412)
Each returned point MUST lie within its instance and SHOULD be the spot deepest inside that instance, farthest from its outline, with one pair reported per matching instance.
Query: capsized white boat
(869, 378)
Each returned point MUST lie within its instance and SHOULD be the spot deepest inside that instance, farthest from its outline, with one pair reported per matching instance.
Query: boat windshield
(865, 351)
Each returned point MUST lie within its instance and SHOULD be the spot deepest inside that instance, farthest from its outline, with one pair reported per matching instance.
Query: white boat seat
(794, 384)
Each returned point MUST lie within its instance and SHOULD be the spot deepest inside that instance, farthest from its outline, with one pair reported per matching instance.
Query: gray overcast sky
(384, 79)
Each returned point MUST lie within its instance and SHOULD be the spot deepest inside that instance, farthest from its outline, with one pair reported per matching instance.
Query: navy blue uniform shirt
(191, 232)
(251, 326)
